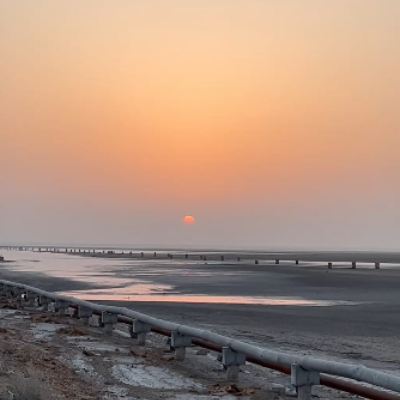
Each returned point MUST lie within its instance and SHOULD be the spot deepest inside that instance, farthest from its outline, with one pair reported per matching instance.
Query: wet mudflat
(343, 314)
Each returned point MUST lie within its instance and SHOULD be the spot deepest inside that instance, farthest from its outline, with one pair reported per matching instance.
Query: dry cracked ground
(44, 356)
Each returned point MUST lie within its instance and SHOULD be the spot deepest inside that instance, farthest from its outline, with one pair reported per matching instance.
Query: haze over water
(274, 123)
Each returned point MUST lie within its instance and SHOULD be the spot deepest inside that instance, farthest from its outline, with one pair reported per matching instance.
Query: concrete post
(303, 381)
(9, 292)
(60, 306)
(276, 261)
(255, 261)
(377, 265)
(329, 265)
(140, 330)
(297, 262)
(31, 297)
(179, 343)
(238, 258)
(353, 265)
(186, 255)
(85, 314)
(155, 254)
(142, 254)
(17, 293)
(44, 302)
(232, 362)
(3, 288)
(108, 320)
(222, 258)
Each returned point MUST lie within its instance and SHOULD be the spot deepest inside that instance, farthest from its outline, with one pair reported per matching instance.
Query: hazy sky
(275, 123)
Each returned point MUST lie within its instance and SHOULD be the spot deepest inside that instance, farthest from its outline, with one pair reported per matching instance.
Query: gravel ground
(67, 360)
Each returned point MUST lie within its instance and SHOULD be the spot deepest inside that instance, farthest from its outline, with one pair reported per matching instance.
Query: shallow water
(133, 280)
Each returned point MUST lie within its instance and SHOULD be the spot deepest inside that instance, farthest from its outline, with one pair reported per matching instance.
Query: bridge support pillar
(303, 381)
(232, 361)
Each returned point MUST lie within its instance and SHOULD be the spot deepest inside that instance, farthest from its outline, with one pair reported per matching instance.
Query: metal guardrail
(305, 370)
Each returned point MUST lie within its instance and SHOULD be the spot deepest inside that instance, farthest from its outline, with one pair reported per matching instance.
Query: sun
(188, 219)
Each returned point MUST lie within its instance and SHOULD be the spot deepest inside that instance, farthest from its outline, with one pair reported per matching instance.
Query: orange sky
(246, 114)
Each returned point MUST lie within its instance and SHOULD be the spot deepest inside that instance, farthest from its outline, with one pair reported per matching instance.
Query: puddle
(151, 377)
(93, 295)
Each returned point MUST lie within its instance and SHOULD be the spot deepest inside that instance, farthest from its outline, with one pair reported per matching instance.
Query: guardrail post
(329, 265)
(31, 297)
(8, 291)
(108, 320)
(140, 330)
(85, 314)
(16, 293)
(3, 288)
(303, 381)
(44, 302)
(377, 265)
(353, 265)
(276, 261)
(179, 342)
(297, 262)
(256, 262)
(60, 306)
(232, 361)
